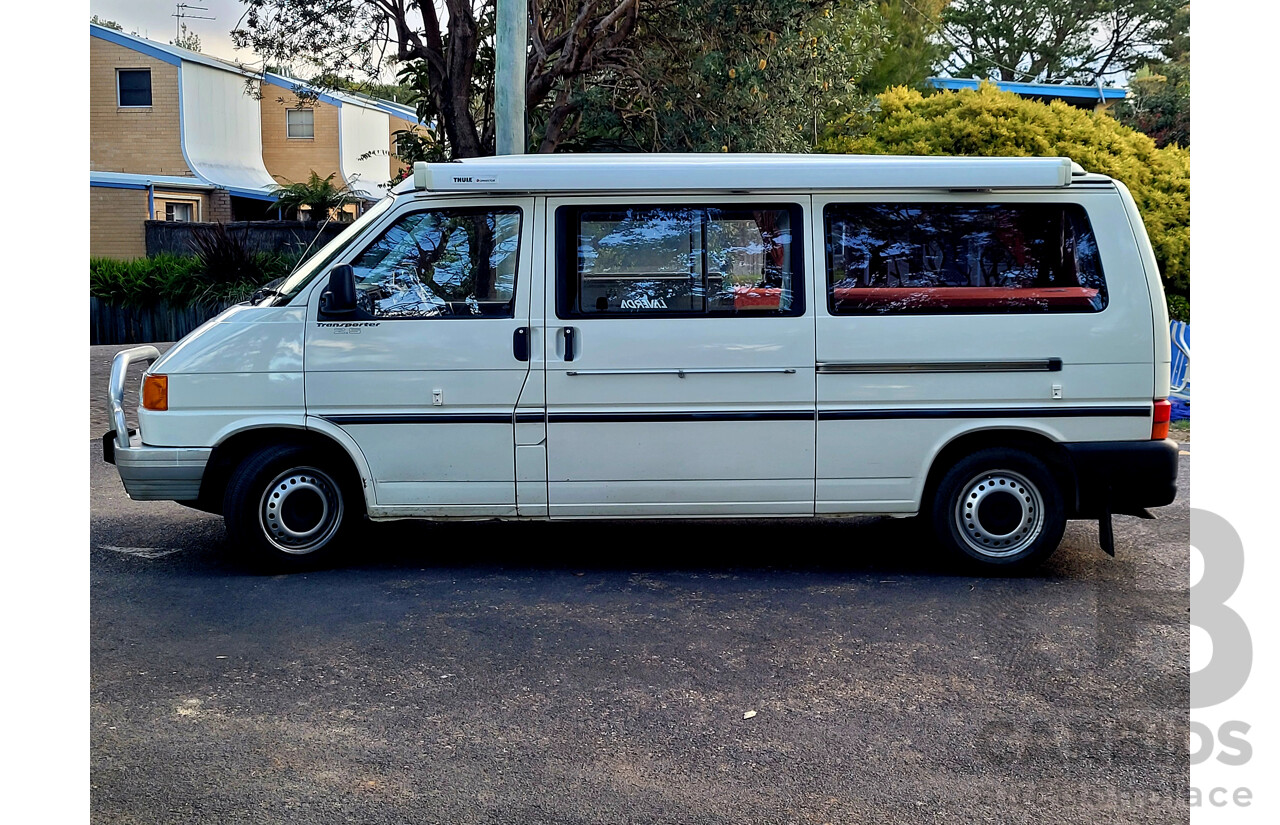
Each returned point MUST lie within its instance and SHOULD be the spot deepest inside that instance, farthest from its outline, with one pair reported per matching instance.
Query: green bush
(181, 280)
(987, 121)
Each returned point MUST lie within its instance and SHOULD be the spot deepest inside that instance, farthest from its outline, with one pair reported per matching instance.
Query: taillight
(155, 392)
(1160, 421)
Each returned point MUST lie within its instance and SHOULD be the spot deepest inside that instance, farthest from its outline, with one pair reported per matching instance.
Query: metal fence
(112, 324)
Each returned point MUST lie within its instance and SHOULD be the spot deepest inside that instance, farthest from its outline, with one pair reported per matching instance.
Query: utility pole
(511, 47)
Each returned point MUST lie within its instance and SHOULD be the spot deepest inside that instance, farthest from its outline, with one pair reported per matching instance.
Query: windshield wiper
(266, 291)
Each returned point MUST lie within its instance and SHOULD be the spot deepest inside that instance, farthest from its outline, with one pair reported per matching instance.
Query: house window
(134, 87)
(178, 211)
(403, 147)
(301, 123)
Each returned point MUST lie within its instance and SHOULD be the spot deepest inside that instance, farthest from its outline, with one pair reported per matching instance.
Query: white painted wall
(222, 128)
(365, 130)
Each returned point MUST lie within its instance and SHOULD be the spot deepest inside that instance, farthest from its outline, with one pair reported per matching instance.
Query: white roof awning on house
(222, 132)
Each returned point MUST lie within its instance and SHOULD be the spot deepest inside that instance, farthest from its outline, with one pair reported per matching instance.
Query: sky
(153, 19)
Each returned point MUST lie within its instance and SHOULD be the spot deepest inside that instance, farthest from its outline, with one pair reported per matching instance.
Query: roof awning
(1056, 90)
(222, 132)
(134, 180)
(131, 180)
(737, 172)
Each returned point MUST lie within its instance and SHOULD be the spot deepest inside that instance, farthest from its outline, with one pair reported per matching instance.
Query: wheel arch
(232, 449)
(1035, 442)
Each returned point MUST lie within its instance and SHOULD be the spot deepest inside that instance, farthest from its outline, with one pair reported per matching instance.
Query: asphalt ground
(682, 672)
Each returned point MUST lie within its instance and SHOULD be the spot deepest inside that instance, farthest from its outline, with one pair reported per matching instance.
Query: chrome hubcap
(999, 513)
(300, 510)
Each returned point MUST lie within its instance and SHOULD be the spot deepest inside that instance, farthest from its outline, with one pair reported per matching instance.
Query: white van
(978, 341)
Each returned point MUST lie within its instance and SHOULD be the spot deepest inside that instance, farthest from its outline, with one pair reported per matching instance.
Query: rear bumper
(157, 473)
(1123, 476)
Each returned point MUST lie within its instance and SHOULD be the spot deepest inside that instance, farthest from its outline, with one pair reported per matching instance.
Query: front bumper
(156, 473)
(148, 473)
(1123, 476)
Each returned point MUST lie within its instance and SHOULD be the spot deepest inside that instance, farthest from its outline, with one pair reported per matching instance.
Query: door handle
(520, 344)
(570, 343)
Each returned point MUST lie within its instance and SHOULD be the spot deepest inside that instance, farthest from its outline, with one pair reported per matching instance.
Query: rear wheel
(288, 507)
(999, 509)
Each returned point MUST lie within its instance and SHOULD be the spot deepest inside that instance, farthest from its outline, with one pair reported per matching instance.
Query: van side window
(442, 263)
(679, 261)
(923, 258)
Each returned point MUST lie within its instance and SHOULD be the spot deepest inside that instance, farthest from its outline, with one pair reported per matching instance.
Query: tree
(764, 76)
(1159, 102)
(1055, 41)
(987, 121)
(444, 50)
(108, 24)
(395, 92)
(911, 48)
(417, 143)
(187, 39)
(319, 195)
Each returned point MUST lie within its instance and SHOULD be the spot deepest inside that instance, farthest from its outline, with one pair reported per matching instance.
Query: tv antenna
(182, 15)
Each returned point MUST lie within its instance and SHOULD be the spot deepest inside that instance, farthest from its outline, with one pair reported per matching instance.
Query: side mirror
(339, 297)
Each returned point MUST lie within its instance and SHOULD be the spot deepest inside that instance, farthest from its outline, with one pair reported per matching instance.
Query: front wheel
(999, 509)
(286, 507)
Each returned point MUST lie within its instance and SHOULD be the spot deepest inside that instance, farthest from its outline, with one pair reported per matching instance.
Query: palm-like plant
(319, 195)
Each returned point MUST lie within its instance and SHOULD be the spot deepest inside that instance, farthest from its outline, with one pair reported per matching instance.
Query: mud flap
(1106, 535)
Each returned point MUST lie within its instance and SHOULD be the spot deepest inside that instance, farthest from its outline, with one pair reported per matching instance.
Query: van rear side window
(679, 261)
(948, 258)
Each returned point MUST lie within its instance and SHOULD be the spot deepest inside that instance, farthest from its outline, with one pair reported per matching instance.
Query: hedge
(180, 280)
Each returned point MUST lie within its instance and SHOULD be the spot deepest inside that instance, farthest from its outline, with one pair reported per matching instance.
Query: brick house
(177, 135)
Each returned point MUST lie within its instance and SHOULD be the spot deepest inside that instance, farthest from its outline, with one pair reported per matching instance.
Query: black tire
(999, 510)
(289, 507)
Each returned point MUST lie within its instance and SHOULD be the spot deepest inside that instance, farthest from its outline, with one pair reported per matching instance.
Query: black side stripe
(757, 415)
(921, 367)
(979, 412)
(640, 417)
(411, 418)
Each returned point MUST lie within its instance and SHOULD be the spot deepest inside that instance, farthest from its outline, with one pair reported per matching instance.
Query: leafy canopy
(1056, 41)
(1159, 101)
(720, 75)
(109, 24)
(910, 45)
(444, 50)
(187, 39)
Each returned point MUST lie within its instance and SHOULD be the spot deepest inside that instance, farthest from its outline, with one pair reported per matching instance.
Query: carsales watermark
(1228, 669)
(1123, 700)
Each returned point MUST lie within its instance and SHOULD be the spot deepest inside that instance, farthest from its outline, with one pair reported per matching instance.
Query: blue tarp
(1180, 370)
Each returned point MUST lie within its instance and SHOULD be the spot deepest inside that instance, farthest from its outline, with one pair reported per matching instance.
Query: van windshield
(321, 259)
